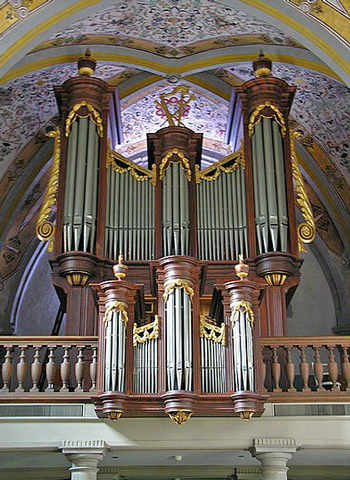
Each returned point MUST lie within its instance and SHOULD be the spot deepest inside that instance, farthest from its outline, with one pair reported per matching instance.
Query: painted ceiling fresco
(321, 106)
(172, 23)
(205, 115)
(28, 103)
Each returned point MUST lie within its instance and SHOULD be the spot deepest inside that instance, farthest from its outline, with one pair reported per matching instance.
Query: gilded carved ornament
(180, 417)
(306, 231)
(92, 113)
(165, 162)
(244, 307)
(137, 171)
(150, 331)
(257, 115)
(174, 119)
(212, 332)
(218, 167)
(45, 230)
(116, 307)
(178, 283)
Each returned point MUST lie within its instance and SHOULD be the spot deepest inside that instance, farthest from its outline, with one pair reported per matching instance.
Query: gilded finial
(262, 65)
(241, 268)
(86, 64)
(120, 269)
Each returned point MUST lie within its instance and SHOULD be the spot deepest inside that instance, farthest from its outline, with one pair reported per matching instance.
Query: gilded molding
(178, 283)
(116, 307)
(185, 164)
(212, 332)
(137, 171)
(218, 167)
(150, 331)
(93, 114)
(244, 307)
(45, 230)
(306, 231)
(256, 117)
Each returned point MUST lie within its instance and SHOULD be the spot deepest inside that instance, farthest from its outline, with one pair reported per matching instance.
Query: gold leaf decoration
(212, 332)
(137, 171)
(92, 113)
(150, 331)
(45, 230)
(116, 307)
(213, 171)
(178, 283)
(257, 114)
(185, 164)
(244, 307)
(306, 231)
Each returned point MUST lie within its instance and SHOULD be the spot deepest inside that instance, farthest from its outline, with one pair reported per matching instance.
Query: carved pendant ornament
(91, 112)
(178, 283)
(116, 307)
(267, 110)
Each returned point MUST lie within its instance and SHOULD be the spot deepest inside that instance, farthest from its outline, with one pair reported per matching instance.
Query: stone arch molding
(25, 35)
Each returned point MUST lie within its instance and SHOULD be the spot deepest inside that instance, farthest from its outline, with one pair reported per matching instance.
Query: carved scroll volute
(175, 145)
(120, 297)
(85, 97)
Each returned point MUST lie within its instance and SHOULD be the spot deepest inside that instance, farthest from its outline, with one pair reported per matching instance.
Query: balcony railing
(306, 366)
(57, 367)
(65, 368)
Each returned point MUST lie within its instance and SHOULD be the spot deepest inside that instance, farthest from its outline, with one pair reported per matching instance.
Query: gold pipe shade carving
(213, 171)
(174, 118)
(178, 283)
(180, 417)
(45, 230)
(125, 165)
(165, 162)
(77, 279)
(92, 113)
(212, 332)
(275, 279)
(257, 114)
(116, 307)
(150, 331)
(306, 231)
(244, 307)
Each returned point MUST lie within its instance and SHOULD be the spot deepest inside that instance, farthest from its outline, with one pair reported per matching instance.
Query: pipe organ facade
(177, 334)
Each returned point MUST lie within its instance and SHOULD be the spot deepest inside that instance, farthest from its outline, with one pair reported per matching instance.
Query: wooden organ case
(178, 333)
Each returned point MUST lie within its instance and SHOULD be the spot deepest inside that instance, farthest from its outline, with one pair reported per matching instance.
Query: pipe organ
(181, 231)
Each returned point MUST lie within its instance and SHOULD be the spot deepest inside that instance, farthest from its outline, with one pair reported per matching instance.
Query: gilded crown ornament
(86, 64)
(241, 269)
(262, 66)
(120, 269)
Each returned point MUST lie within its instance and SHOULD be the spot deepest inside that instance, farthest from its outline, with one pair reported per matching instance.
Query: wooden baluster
(332, 368)
(318, 370)
(51, 370)
(345, 368)
(79, 370)
(21, 369)
(65, 370)
(6, 371)
(36, 370)
(304, 369)
(290, 370)
(276, 370)
(263, 371)
(93, 369)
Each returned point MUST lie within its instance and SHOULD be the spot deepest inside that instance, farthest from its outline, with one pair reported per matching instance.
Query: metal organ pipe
(271, 218)
(129, 217)
(115, 338)
(79, 222)
(222, 216)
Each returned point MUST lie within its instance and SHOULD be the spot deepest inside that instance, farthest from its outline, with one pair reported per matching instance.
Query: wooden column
(114, 294)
